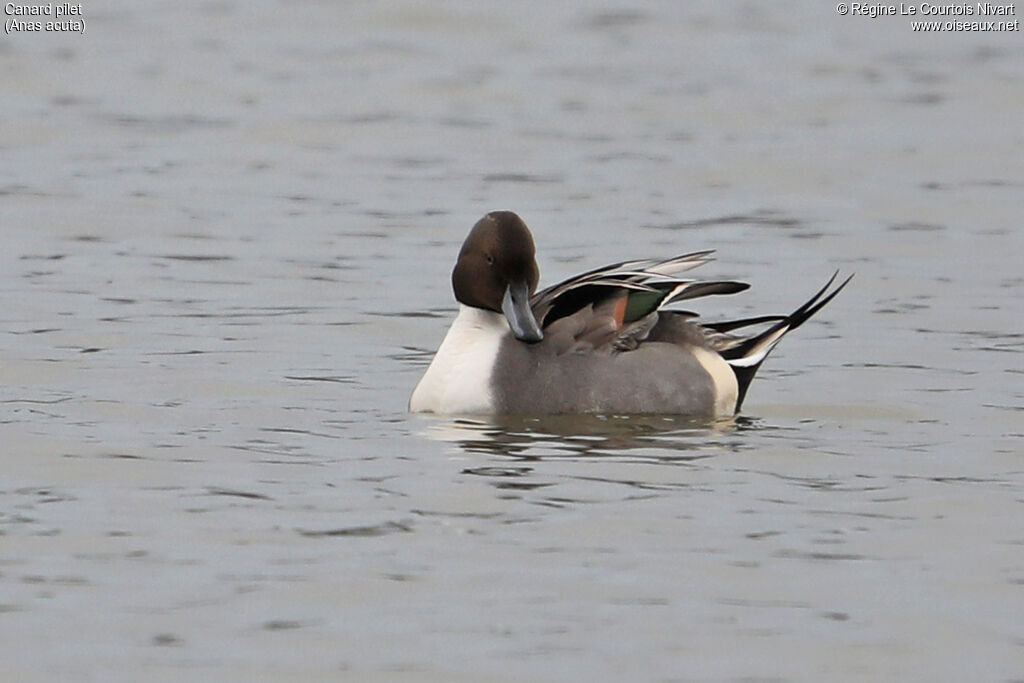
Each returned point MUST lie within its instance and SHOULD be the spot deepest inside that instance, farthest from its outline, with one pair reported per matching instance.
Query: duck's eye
(490, 259)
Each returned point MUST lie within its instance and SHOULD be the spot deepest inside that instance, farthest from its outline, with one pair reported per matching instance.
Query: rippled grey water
(228, 230)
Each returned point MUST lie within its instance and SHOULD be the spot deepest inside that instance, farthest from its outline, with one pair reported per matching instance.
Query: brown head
(497, 271)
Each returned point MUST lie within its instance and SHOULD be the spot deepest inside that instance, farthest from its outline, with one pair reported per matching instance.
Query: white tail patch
(727, 390)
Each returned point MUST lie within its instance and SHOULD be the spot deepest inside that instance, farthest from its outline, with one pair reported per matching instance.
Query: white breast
(459, 378)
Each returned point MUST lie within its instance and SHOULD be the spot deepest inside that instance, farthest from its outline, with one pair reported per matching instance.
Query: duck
(600, 342)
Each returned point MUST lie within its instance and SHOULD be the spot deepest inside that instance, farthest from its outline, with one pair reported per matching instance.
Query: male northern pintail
(600, 342)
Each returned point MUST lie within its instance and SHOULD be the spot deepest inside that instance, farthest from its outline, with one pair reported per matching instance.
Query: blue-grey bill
(516, 307)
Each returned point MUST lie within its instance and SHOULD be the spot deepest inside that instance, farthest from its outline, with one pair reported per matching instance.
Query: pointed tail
(745, 354)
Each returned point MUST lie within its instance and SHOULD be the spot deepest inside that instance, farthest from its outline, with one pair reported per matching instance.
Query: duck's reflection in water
(659, 438)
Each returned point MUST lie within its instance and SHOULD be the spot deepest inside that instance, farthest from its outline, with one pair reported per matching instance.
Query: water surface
(228, 232)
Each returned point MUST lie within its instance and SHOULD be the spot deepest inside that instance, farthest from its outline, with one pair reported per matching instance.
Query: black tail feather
(746, 356)
(729, 325)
